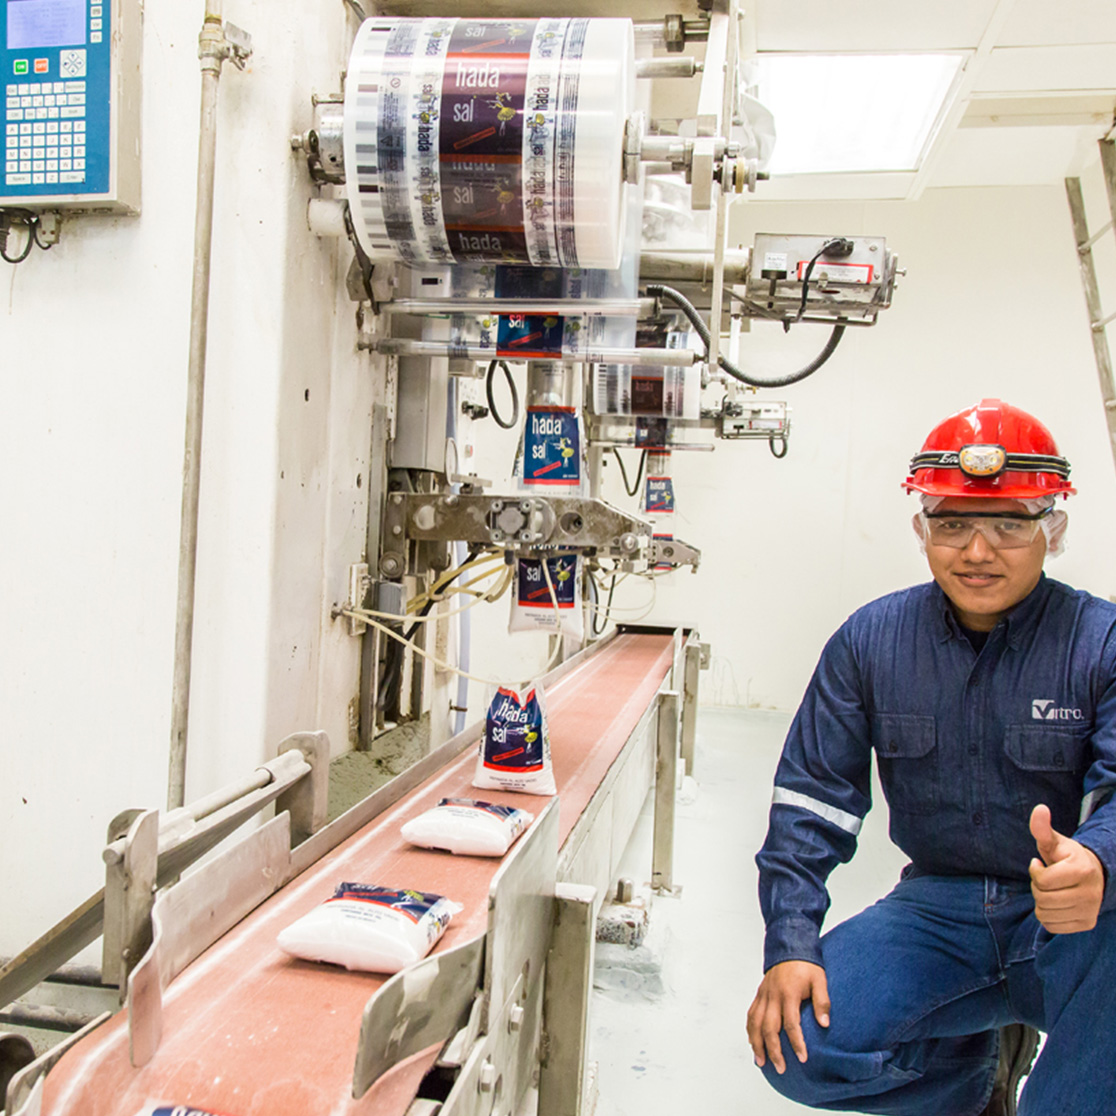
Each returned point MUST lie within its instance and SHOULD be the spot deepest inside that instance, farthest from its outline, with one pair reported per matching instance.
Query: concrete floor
(667, 1027)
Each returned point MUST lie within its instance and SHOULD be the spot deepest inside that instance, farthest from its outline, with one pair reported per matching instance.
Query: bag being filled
(547, 597)
(467, 827)
(515, 748)
(370, 928)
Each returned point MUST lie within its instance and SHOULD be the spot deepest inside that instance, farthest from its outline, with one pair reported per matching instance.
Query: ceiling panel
(820, 25)
(1041, 23)
(1012, 156)
(1052, 67)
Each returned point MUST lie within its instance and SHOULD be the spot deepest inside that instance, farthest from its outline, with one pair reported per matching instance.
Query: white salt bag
(370, 928)
(467, 827)
(515, 748)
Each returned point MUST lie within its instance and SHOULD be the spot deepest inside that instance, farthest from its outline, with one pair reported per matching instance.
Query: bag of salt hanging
(515, 747)
(370, 928)
(467, 827)
(535, 608)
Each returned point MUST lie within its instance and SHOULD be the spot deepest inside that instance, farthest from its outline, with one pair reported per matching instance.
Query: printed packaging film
(474, 139)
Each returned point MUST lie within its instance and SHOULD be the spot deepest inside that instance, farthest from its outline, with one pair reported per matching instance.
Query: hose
(632, 490)
(658, 290)
(492, 402)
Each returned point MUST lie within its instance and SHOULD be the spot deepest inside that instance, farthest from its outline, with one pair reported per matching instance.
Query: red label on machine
(837, 272)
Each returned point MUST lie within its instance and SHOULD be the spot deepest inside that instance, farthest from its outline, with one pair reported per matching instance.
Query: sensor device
(70, 74)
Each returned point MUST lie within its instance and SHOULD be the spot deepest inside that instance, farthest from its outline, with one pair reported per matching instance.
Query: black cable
(782, 438)
(836, 246)
(511, 387)
(631, 490)
(658, 290)
(8, 219)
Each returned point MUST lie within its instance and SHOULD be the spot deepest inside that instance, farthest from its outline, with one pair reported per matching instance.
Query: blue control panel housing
(57, 79)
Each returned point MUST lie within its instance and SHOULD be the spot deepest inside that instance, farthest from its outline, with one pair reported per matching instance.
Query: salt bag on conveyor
(370, 928)
(515, 747)
(466, 827)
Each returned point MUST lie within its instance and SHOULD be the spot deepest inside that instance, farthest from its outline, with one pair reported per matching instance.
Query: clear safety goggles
(1001, 530)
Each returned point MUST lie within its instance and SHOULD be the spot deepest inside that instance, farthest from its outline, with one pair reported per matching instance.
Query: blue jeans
(921, 982)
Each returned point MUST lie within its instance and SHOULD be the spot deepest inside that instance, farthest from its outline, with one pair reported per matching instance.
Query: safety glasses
(1001, 530)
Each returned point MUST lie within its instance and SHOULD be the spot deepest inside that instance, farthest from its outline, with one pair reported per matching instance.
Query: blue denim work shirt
(967, 744)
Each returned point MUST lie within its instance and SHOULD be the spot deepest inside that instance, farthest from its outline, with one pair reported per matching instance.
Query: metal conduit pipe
(212, 50)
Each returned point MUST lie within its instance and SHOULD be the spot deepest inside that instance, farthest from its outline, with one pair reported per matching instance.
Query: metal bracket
(307, 801)
(673, 552)
(691, 669)
(130, 873)
(512, 522)
(190, 916)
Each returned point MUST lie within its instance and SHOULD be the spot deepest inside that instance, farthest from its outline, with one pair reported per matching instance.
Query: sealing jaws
(514, 522)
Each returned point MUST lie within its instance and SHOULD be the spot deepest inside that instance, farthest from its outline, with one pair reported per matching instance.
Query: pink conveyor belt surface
(249, 1031)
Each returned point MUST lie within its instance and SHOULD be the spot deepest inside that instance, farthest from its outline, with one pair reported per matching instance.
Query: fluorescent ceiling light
(853, 112)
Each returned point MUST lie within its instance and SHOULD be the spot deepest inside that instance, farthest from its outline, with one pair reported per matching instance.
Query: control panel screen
(34, 24)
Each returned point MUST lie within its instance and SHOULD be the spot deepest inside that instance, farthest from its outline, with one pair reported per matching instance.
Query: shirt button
(1059, 760)
(892, 746)
(978, 818)
(973, 749)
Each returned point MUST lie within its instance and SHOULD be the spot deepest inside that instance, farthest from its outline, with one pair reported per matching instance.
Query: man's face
(981, 580)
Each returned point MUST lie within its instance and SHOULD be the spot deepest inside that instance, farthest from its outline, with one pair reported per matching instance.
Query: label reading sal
(552, 447)
(533, 590)
(481, 138)
(659, 495)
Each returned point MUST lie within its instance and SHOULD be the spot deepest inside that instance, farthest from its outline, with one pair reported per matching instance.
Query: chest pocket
(1047, 764)
(907, 750)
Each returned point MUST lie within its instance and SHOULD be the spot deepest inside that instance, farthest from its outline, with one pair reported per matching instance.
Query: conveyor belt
(248, 1031)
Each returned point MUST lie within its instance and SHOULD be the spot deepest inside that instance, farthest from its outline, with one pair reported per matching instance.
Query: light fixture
(853, 112)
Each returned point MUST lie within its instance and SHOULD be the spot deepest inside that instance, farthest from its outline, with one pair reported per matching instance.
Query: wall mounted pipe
(213, 49)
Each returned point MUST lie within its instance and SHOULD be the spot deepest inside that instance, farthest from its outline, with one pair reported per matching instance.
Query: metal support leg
(569, 985)
(666, 775)
(129, 896)
(689, 703)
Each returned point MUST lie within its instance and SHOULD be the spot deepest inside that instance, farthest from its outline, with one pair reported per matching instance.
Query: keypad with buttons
(45, 106)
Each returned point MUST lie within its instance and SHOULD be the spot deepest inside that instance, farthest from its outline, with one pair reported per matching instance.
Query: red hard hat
(991, 450)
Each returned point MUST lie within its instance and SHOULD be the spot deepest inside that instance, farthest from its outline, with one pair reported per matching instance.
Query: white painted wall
(992, 306)
(94, 343)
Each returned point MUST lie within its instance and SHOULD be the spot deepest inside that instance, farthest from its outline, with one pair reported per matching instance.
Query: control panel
(70, 75)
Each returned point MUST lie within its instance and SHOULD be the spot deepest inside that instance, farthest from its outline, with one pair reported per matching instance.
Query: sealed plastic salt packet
(547, 599)
(467, 827)
(515, 748)
(370, 928)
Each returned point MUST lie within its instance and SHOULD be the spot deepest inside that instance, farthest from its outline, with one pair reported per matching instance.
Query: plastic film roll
(489, 140)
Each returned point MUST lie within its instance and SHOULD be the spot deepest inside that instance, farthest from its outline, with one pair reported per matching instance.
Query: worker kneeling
(989, 698)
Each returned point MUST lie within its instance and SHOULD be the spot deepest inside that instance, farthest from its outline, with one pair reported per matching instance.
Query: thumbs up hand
(1067, 882)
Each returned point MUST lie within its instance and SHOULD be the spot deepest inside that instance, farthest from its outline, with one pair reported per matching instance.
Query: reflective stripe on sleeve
(850, 823)
(1091, 801)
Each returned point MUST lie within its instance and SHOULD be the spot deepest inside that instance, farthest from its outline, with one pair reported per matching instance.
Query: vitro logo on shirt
(1044, 709)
